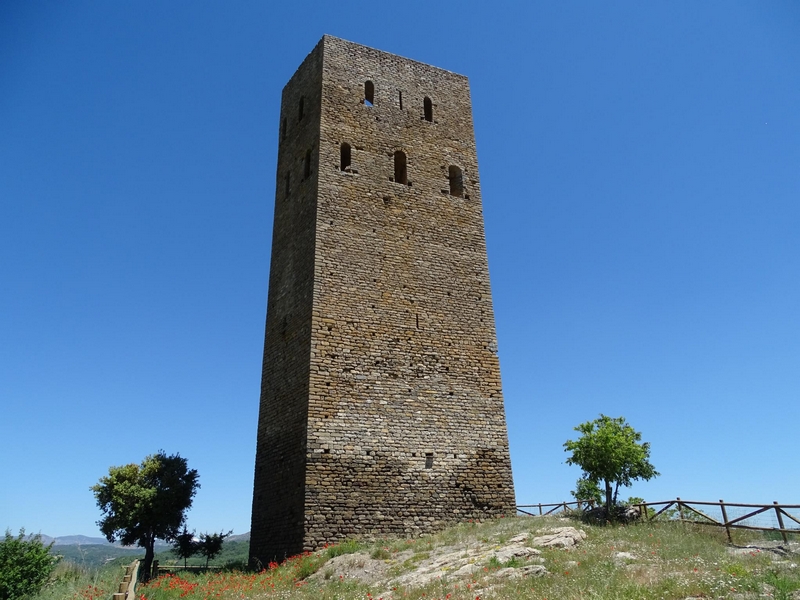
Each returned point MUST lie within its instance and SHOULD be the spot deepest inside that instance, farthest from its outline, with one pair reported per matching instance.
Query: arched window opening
(369, 93)
(307, 165)
(456, 181)
(400, 170)
(428, 105)
(300, 109)
(283, 129)
(344, 157)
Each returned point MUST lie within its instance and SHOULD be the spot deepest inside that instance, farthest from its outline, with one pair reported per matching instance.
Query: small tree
(587, 490)
(25, 565)
(609, 451)
(143, 502)
(185, 545)
(210, 544)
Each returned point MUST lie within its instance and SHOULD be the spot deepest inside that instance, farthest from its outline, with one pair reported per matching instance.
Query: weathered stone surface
(358, 566)
(561, 537)
(381, 405)
(515, 550)
(519, 573)
(623, 556)
(458, 562)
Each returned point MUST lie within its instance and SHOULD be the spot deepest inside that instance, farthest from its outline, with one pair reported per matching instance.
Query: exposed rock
(623, 556)
(358, 566)
(515, 550)
(560, 537)
(775, 548)
(519, 573)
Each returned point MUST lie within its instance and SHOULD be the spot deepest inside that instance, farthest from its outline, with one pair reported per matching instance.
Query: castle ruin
(381, 406)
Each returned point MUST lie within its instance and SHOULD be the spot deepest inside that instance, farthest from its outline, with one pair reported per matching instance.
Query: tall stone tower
(381, 406)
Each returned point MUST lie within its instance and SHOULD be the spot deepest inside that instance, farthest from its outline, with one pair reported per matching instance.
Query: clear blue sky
(640, 170)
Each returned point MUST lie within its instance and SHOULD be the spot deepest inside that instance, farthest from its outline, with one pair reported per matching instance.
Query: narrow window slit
(307, 165)
(400, 168)
(400, 96)
(428, 106)
(369, 93)
(456, 181)
(429, 460)
(344, 157)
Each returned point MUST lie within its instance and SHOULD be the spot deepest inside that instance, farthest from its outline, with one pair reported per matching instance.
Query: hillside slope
(528, 557)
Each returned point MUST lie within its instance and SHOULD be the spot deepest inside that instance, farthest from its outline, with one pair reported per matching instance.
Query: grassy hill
(94, 555)
(511, 558)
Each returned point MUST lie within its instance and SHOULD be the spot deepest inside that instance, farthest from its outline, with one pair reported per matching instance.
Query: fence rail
(127, 587)
(689, 511)
(553, 508)
(701, 517)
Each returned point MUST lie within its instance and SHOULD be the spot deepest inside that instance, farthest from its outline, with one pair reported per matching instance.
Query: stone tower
(381, 406)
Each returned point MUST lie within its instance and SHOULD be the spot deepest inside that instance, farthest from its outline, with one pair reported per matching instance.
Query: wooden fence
(691, 511)
(159, 569)
(551, 509)
(127, 587)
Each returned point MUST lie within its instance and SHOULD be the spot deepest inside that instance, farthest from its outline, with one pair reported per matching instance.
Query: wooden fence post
(540, 509)
(680, 508)
(780, 522)
(725, 520)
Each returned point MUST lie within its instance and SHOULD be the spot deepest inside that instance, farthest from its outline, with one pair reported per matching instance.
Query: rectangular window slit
(429, 460)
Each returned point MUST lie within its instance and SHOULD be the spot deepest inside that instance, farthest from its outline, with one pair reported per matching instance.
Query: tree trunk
(608, 499)
(149, 554)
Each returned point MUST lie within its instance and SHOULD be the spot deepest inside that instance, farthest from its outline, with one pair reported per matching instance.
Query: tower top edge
(332, 39)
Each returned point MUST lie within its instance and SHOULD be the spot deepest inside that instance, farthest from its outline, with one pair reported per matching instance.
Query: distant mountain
(84, 540)
(78, 540)
(96, 551)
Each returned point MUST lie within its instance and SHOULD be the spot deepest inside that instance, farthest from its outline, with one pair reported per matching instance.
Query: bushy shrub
(25, 565)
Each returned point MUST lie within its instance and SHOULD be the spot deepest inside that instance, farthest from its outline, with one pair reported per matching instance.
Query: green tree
(587, 490)
(609, 451)
(143, 502)
(185, 545)
(25, 565)
(211, 544)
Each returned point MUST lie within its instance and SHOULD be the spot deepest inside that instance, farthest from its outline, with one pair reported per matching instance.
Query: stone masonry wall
(403, 404)
(277, 528)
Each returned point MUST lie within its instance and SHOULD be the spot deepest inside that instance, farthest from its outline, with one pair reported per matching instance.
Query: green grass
(76, 582)
(672, 561)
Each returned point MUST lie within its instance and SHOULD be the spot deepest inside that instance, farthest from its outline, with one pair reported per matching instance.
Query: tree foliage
(587, 490)
(210, 545)
(143, 502)
(185, 545)
(609, 451)
(25, 565)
